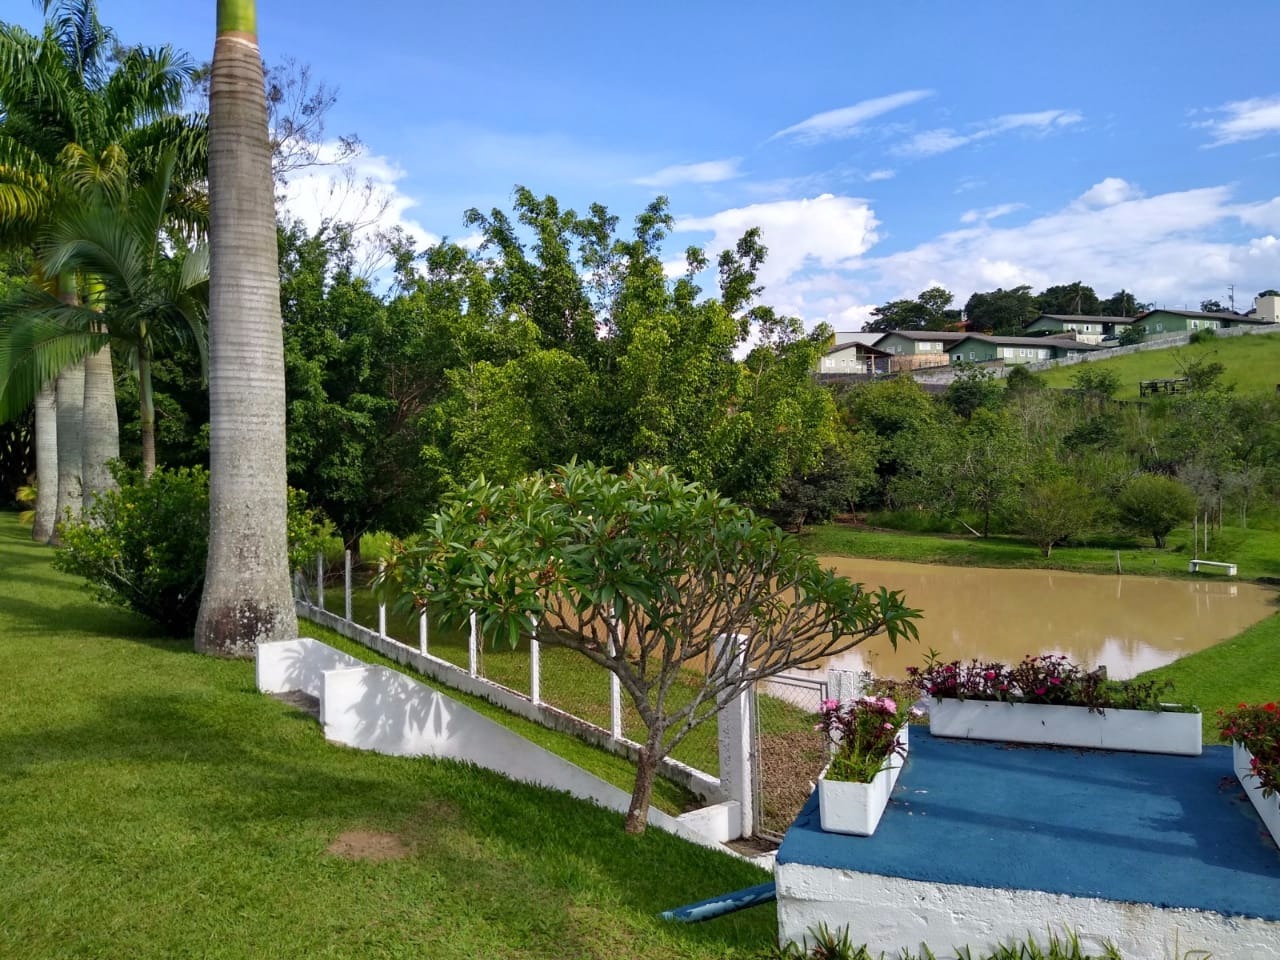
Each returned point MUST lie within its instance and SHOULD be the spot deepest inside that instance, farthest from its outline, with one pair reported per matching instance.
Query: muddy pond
(1130, 624)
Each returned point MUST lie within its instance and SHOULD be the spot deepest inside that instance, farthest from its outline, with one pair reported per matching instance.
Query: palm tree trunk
(46, 464)
(101, 424)
(70, 401)
(146, 411)
(247, 596)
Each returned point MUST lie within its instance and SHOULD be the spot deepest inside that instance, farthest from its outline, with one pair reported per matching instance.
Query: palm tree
(63, 111)
(146, 300)
(247, 597)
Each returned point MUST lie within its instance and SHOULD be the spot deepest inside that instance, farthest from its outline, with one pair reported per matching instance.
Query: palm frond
(33, 349)
(96, 240)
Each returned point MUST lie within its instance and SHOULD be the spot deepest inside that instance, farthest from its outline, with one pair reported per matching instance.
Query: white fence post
(346, 581)
(845, 685)
(382, 619)
(422, 633)
(615, 700)
(736, 722)
(535, 665)
(320, 580)
(472, 652)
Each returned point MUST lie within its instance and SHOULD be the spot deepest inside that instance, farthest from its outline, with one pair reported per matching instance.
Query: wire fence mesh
(790, 753)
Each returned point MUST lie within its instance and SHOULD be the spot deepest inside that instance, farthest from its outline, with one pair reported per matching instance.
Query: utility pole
(1231, 296)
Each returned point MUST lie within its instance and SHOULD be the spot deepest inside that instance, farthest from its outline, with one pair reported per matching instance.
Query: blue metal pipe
(725, 903)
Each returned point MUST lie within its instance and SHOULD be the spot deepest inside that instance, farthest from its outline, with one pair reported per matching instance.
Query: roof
(1084, 318)
(1064, 342)
(943, 336)
(867, 338)
(856, 345)
(1199, 314)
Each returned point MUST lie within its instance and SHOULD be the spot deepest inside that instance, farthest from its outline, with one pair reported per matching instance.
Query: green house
(915, 342)
(1086, 328)
(980, 348)
(1159, 322)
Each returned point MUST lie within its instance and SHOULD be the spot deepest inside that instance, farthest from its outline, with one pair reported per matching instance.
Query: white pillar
(615, 699)
(382, 619)
(320, 580)
(422, 633)
(346, 581)
(535, 665)
(736, 722)
(472, 652)
(844, 685)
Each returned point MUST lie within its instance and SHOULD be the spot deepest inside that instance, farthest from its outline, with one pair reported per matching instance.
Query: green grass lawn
(155, 805)
(1252, 364)
(1245, 668)
(1256, 551)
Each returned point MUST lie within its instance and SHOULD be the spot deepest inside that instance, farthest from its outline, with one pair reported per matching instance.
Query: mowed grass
(1252, 364)
(1244, 669)
(155, 805)
(1255, 551)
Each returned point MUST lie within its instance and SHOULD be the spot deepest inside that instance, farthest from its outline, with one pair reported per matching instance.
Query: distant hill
(1252, 364)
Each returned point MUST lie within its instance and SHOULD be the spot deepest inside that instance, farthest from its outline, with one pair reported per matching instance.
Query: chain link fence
(789, 752)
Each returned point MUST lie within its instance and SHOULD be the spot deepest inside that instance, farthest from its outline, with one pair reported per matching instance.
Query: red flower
(1269, 707)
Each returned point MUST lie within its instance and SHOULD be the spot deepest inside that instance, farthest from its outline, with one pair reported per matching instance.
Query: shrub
(1046, 679)
(143, 545)
(1154, 505)
(1132, 335)
(1257, 728)
(1053, 512)
(1202, 336)
(865, 735)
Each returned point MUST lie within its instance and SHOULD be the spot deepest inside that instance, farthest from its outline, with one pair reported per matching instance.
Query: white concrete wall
(288, 665)
(893, 914)
(380, 709)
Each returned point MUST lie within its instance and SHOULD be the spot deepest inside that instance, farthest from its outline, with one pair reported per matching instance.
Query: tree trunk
(46, 463)
(247, 598)
(146, 412)
(101, 426)
(70, 388)
(646, 770)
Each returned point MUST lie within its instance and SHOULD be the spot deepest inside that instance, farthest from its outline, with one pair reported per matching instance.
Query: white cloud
(1173, 248)
(990, 213)
(362, 191)
(1244, 120)
(876, 175)
(846, 122)
(708, 171)
(931, 142)
(1109, 192)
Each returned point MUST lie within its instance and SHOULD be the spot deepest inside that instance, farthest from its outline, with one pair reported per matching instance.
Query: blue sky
(882, 147)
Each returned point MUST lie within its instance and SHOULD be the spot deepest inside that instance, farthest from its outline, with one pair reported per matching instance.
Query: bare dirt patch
(371, 846)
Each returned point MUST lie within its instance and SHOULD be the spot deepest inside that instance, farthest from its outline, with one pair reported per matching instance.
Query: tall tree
(1068, 298)
(247, 596)
(1122, 303)
(1002, 312)
(929, 311)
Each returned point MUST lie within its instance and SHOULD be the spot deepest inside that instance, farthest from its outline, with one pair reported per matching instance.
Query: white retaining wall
(380, 709)
(701, 784)
(893, 914)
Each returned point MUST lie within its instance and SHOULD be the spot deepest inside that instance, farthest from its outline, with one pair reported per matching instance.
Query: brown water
(1128, 624)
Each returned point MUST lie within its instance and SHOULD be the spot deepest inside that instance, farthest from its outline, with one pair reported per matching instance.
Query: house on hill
(913, 349)
(1087, 329)
(1157, 322)
(980, 348)
(854, 353)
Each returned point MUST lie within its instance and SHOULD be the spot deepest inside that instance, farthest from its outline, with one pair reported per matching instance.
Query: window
(958, 357)
(1044, 354)
(1160, 327)
(973, 355)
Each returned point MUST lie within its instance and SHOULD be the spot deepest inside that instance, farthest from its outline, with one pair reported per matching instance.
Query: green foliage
(1203, 336)
(1095, 383)
(1002, 312)
(1153, 505)
(1054, 512)
(1132, 334)
(842, 477)
(641, 573)
(1019, 381)
(973, 389)
(826, 944)
(143, 546)
(1069, 298)
(929, 311)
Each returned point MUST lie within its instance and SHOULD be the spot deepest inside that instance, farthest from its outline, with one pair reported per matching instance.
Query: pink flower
(886, 726)
(990, 674)
(1055, 680)
(830, 704)
(1040, 691)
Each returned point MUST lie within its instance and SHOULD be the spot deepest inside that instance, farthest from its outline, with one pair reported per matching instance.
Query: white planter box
(1268, 807)
(1144, 731)
(856, 808)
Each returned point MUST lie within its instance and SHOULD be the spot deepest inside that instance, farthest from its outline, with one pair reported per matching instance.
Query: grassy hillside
(1252, 364)
(155, 805)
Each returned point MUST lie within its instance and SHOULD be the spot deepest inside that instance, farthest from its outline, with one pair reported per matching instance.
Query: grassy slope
(156, 805)
(1242, 669)
(1255, 551)
(1251, 364)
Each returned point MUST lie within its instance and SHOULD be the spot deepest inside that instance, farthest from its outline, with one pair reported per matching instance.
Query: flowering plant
(1048, 679)
(1257, 729)
(865, 735)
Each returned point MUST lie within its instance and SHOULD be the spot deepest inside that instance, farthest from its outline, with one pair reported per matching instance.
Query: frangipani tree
(641, 573)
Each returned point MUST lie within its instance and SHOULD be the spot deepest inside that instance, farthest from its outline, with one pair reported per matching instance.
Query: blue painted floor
(1169, 831)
